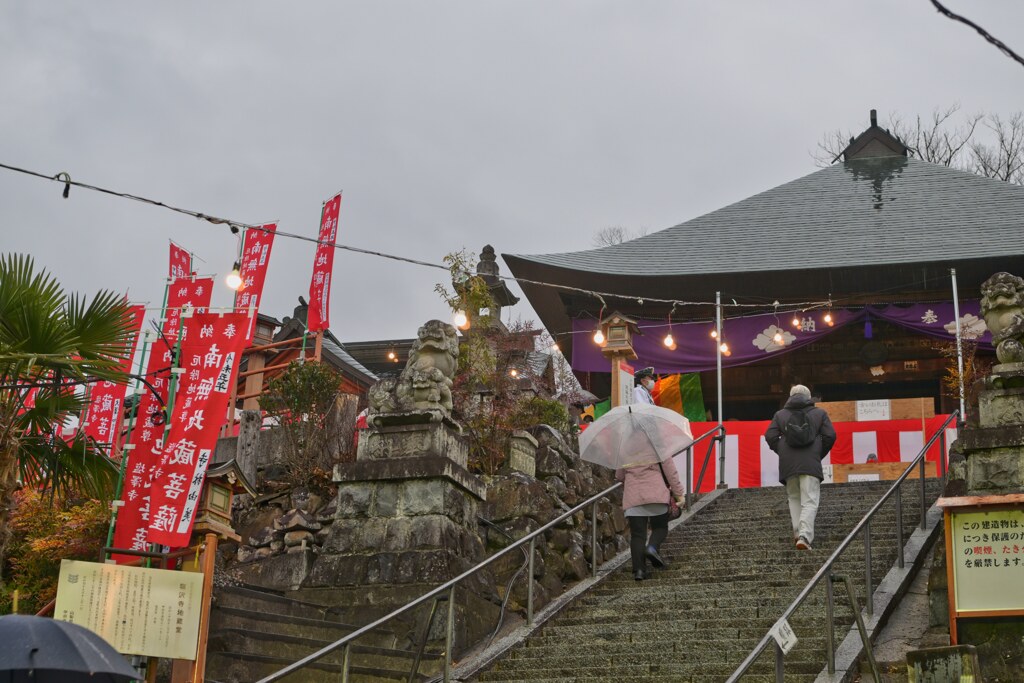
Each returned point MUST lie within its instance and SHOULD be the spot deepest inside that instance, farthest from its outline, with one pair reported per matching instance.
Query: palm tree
(50, 343)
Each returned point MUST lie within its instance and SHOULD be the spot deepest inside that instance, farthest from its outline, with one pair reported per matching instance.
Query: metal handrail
(449, 586)
(826, 569)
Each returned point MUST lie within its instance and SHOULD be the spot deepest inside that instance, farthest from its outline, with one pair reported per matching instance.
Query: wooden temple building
(868, 242)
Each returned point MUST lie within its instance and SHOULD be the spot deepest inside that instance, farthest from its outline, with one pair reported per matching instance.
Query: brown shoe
(803, 544)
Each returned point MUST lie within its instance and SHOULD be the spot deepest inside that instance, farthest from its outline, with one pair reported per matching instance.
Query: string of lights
(65, 179)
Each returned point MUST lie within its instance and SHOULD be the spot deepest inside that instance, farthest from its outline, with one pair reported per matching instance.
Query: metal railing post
(830, 628)
(346, 658)
(869, 591)
(780, 665)
(449, 635)
(924, 509)
(942, 454)
(689, 476)
(899, 526)
(529, 584)
(593, 540)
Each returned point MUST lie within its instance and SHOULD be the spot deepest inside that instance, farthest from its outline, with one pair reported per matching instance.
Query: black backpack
(799, 432)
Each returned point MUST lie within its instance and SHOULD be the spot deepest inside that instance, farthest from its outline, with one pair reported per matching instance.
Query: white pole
(959, 346)
(718, 365)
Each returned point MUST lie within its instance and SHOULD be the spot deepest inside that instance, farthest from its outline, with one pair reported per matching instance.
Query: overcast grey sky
(529, 125)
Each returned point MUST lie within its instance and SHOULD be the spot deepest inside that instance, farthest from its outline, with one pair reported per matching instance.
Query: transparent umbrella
(639, 434)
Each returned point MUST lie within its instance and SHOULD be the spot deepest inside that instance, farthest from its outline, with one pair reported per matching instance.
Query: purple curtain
(751, 338)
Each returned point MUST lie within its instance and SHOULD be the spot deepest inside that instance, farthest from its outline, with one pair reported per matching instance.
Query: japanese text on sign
(152, 612)
(988, 559)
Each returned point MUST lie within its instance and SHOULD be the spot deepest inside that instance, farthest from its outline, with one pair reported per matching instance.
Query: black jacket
(806, 460)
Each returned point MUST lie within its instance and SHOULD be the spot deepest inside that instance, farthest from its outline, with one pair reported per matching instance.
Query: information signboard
(139, 611)
(873, 410)
(987, 559)
(625, 383)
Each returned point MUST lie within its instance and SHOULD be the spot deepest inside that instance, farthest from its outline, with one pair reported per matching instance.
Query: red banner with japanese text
(130, 529)
(253, 268)
(143, 452)
(210, 351)
(190, 293)
(103, 415)
(181, 263)
(318, 317)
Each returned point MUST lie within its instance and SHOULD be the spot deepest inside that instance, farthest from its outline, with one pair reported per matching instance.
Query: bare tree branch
(616, 234)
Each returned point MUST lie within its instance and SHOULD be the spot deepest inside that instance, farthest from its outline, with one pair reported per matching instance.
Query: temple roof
(890, 210)
(871, 228)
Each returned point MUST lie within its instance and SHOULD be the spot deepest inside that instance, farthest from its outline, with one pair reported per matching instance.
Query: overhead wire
(1000, 45)
(65, 179)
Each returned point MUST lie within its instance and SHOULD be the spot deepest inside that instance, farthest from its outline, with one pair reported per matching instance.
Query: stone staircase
(254, 633)
(733, 570)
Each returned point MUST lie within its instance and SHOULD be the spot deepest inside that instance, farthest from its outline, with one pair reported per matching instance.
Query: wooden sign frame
(967, 504)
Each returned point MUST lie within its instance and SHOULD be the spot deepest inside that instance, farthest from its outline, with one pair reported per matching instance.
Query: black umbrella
(43, 650)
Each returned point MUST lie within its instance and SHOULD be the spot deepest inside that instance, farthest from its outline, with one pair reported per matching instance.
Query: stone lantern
(213, 515)
(618, 333)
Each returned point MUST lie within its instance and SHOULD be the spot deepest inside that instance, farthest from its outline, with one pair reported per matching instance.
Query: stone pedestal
(413, 435)
(994, 450)
(406, 522)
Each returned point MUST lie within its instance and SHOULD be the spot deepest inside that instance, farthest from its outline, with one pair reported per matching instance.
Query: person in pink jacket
(645, 502)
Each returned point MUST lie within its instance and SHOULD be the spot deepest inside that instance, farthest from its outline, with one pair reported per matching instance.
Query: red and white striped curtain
(750, 463)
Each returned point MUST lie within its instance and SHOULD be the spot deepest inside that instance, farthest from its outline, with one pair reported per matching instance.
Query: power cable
(1003, 47)
(66, 180)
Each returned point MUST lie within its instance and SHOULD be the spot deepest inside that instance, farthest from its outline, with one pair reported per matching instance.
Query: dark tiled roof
(334, 348)
(863, 212)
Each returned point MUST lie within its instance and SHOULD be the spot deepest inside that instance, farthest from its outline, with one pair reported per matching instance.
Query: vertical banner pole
(116, 503)
(718, 369)
(959, 346)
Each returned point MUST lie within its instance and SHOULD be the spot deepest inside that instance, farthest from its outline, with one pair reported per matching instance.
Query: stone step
(297, 647)
(619, 668)
(650, 678)
(246, 666)
(271, 603)
(303, 627)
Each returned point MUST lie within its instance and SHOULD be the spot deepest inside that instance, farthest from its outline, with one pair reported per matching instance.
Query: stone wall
(518, 504)
(398, 527)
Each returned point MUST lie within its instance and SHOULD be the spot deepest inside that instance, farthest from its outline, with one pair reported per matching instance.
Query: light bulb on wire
(234, 279)
(796, 320)
(460, 320)
(599, 338)
(724, 348)
(669, 341)
(828, 319)
(714, 333)
(779, 339)
(391, 355)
